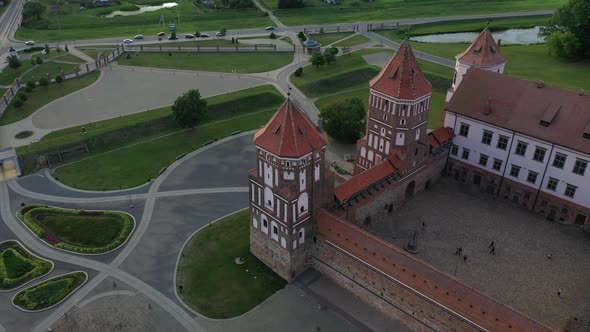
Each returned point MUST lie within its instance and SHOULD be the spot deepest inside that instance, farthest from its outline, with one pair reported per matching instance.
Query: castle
(299, 219)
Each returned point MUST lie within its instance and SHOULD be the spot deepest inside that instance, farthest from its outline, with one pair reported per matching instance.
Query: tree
(298, 72)
(329, 57)
(18, 103)
(272, 35)
(47, 50)
(13, 62)
(38, 60)
(344, 120)
(301, 36)
(31, 84)
(189, 109)
(66, 48)
(346, 50)
(317, 59)
(563, 45)
(574, 17)
(333, 50)
(223, 31)
(44, 81)
(33, 10)
(59, 79)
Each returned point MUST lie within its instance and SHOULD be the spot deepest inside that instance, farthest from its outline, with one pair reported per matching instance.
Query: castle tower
(289, 184)
(483, 53)
(397, 115)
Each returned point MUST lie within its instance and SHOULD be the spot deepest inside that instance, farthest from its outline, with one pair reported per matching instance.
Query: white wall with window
(570, 169)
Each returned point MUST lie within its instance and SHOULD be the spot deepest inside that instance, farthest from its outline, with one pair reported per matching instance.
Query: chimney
(581, 92)
(499, 43)
(540, 84)
(488, 107)
(320, 124)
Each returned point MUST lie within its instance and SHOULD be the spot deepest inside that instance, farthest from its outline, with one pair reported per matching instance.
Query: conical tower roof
(290, 133)
(402, 78)
(483, 51)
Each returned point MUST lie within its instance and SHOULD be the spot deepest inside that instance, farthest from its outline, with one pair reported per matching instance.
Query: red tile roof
(364, 180)
(483, 51)
(402, 78)
(442, 134)
(422, 277)
(290, 133)
(522, 106)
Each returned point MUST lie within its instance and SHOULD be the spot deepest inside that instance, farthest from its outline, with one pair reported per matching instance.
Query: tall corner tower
(483, 53)
(288, 185)
(397, 115)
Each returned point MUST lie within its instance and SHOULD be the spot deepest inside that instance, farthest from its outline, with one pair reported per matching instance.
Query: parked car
(189, 36)
(160, 34)
(270, 28)
(128, 41)
(138, 37)
(219, 34)
(30, 43)
(205, 35)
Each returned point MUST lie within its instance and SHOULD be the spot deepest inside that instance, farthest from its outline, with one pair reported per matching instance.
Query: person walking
(465, 259)
(493, 251)
(559, 292)
(492, 245)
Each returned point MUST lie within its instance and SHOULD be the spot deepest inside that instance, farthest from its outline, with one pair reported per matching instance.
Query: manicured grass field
(8, 74)
(124, 164)
(18, 266)
(43, 95)
(49, 292)
(319, 12)
(69, 58)
(212, 283)
(353, 41)
(79, 23)
(328, 38)
(95, 50)
(88, 232)
(216, 62)
(51, 68)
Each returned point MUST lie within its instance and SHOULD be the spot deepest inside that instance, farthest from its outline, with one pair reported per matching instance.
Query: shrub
(28, 267)
(18, 103)
(564, 45)
(301, 36)
(66, 48)
(31, 84)
(22, 96)
(38, 60)
(44, 81)
(13, 62)
(59, 78)
(299, 72)
(33, 49)
(272, 35)
(28, 89)
(128, 56)
(49, 292)
(23, 134)
(169, 53)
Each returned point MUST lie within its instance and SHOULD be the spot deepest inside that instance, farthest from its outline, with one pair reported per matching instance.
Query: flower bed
(18, 266)
(50, 292)
(80, 231)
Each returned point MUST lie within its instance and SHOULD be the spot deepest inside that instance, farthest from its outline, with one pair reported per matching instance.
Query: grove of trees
(344, 120)
(568, 32)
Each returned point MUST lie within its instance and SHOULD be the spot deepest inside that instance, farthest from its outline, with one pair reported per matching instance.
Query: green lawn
(328, 38)
(49, 67)
(94, 51)
(41, 96)
(8, 74)
(353, 41)
(18, 266)
(122, 164)
(193, 43)
(69, 58)
(79, 23)
(93, 232)
(49, 292)
(216, 62)
(84, 231)
(212, 283)
(319, 12)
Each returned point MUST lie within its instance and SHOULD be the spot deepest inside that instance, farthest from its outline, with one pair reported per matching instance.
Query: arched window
(268, 197)
(402, 122)
(363, 152)
(417, 134)
(302, 203)
(370, 155)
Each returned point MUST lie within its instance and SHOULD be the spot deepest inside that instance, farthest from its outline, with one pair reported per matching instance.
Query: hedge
(49, 292)
(41, 266)
(128, 225)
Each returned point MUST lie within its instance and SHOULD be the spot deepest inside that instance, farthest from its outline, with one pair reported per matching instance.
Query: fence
(382, 26)
(8, 96)
(339, 28)
(208, 49)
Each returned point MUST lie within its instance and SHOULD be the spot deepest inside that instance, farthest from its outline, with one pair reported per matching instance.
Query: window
(570, 190)
(454, 150)
(483, 159)
(539, 154)
(580, 166)
(275, 230)
(464, 130)
(497, 164)
(520, 148)
(514, 171)
(502, 142)
(487, 137)
(532, 177)
(559, 160)
(465, 154)
(552, 184)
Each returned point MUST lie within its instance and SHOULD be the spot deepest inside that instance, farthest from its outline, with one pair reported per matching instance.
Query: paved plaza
(520, 274)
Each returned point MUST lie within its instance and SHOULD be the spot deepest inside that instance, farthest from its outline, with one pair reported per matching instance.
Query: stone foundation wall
(388, 296)
(379, 204)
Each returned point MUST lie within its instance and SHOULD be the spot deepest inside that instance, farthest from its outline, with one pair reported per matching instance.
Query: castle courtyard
(520, 273)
